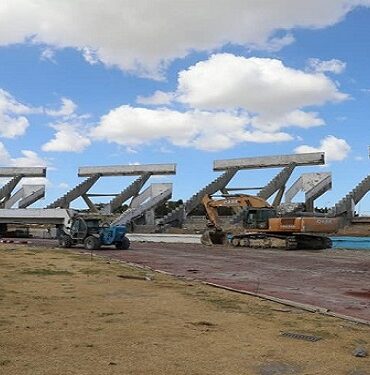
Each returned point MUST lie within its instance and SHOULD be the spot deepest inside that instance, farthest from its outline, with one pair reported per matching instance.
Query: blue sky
(186, 83)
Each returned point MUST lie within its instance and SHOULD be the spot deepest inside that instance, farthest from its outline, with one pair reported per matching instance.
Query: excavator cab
(257, 218)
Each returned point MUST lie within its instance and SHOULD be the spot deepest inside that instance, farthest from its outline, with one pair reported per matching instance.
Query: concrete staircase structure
(179, 214)
(25, 196)
(6, 190)
(347, 204)
(153, 196)
(277, 182)
(76, 192)
(313, 184)
(131, 191)
(93, 173)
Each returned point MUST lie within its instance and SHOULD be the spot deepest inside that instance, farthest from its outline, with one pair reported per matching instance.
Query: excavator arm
(240, 201)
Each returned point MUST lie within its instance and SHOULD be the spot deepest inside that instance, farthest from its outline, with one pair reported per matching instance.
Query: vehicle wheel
(243, 242)
(124, 244)
(235, 242)
(65, 241)
(91, 243)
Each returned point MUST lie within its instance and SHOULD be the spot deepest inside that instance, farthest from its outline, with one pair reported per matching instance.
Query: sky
(114, 82)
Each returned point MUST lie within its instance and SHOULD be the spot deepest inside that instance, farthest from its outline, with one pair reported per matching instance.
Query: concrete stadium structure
(25, 195)
(231, 166)
(143, 202)
(154, 195)
(313, 185)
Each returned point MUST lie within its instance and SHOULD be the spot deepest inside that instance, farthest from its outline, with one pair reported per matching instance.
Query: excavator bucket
(213, 237)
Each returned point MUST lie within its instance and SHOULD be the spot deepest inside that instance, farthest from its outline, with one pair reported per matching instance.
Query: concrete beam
(24, 172)
(6, 190)
(32, 198)
(128, 170)
(275, 161)
(311, 184)
(27, 194)
(35, 216)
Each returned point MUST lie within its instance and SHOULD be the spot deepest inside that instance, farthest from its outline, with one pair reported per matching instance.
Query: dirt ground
(68, 313)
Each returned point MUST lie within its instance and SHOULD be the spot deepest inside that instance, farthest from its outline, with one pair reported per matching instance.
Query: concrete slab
(26, 171)
(35, 216)
(336, 280)
(128, 170)
(272, 161)
(164, 238)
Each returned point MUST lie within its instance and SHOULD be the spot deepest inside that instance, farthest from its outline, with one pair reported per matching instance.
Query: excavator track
(281, 241)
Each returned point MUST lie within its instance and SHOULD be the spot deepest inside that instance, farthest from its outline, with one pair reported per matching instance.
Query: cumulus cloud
(67, 109)
(274, 93)
(321, 66)
(335, 149)
(260, 85)
(69, 137)
(162, 30)
(203, 130)
(228, 100)
(13, 123)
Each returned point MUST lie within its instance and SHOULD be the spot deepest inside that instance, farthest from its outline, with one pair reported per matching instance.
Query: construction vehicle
(89, 232)
(263, 228)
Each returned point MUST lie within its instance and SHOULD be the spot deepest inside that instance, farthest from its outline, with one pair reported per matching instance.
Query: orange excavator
(261, 227)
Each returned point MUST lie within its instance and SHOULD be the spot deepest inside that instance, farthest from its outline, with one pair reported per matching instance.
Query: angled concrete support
(179, 214)
(26, 195)
(313, 184)
(278, 197)
(32, 197)
(76, 192)
(131, 191)
(347, 204)
(145, 203)
(89, 203)
(6, 190)
(277, 182)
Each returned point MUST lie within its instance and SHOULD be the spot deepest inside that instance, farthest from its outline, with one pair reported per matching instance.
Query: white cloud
(68, 138)
(63, 185)
(48, 54)
(335, 149)
(297, 118)
(67, 109)
(273, 92)
(275, 44)
(259, 85)
(230, 99)
(203, 130)
(321, 66)
(90, 55)
(162, 30)
(28, 159)
(158, 98)
(13, 123)
(70, 135)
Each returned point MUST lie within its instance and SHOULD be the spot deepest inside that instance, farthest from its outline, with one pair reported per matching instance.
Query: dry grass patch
(65, 313)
